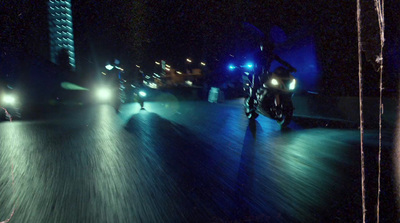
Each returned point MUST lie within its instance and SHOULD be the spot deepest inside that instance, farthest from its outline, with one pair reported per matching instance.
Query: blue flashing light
(249, 65)
(231, 67)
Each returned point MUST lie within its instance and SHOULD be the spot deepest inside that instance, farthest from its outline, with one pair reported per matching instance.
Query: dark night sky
(144, 31)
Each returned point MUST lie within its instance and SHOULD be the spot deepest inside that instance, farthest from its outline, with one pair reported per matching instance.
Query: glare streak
(361, 113)
(379, 4)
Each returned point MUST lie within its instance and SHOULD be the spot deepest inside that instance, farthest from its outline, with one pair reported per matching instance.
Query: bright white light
(158, 63)
(189, 83)
(188, 60)
(203, 64)
(153, 85)
(137, 66)
(142, 94)
(109, 67)
(292, 85)
(178, 72)
(9, 99)
(167, 65)
(167, 69)
(104, 94)
(274, 82)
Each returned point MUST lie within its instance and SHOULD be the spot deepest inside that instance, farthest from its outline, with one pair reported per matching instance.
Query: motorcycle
(274, 96)
(139, 96)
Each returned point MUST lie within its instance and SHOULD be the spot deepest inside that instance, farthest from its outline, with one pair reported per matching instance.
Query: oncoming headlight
(103, 94)
(274, 82)
(9, 99)
(292, 85)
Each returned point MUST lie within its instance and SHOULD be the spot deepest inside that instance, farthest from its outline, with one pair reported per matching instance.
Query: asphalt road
(187, 162)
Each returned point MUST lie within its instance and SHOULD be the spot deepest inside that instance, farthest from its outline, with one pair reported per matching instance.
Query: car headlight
(292, 85)
(103, 94)
(9, 99)
(274, 82)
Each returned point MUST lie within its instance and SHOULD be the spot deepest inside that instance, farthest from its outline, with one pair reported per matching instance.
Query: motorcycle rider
(263, 59)
(138, 81)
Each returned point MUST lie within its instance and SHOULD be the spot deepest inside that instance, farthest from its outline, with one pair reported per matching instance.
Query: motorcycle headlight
(9, 99)
(104, 94)
(292, 85)
(274, 82)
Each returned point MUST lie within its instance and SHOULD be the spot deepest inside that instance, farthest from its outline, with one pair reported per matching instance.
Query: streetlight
(188, 60)
(167, 65)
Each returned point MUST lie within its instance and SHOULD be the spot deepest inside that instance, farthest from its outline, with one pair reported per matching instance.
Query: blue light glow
(249, 65)
(231, 67)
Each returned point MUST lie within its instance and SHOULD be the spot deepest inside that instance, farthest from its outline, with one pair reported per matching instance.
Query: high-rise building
(61, 31)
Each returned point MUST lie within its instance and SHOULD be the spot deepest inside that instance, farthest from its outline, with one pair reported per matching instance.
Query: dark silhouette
(63, 59)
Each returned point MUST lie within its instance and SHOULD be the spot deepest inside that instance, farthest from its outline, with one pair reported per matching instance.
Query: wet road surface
(186, 162)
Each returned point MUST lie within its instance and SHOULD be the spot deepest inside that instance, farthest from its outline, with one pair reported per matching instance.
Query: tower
(61, 32)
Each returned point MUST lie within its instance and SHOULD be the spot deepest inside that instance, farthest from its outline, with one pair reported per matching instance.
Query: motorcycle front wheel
(287, 115)
(249, 112)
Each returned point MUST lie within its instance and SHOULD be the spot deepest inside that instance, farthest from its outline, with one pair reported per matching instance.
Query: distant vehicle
(107, 94)
(10, 102)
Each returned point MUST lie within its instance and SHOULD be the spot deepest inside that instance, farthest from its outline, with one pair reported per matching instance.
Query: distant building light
(158, 63)
(203, 64)
(167, 65)
(188, 60)
(178, 72)
(152, 85)
(137, 66)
